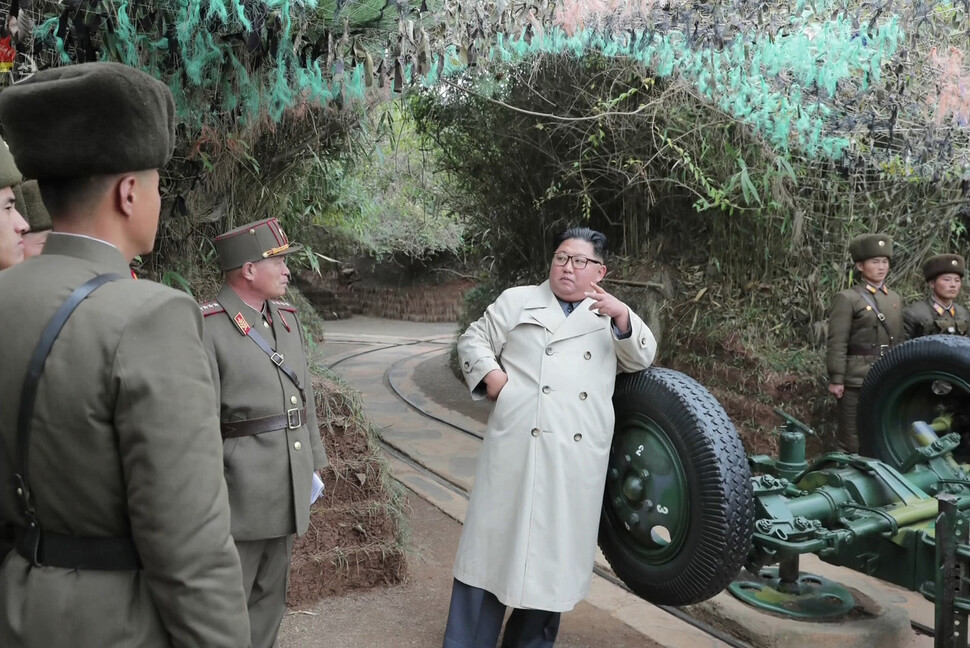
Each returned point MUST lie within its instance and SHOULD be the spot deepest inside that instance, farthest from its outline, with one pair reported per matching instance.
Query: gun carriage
(685, 511)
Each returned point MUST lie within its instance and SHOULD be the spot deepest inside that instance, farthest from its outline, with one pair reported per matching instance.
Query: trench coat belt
(291, 419)
(868, 349)
(50, 549)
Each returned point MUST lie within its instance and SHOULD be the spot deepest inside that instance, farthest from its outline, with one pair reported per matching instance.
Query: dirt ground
(414, 614)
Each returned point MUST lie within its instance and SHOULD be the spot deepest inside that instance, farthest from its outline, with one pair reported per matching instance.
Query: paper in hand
(316, 489)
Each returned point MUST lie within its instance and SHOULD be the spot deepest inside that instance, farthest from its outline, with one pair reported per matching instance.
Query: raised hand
(609, 305)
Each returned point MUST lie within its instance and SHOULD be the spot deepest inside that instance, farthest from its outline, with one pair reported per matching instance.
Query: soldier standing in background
(865, 321)
(12, 223)
(271, 439)
(122, 524)
(939, 313)
(31, 206)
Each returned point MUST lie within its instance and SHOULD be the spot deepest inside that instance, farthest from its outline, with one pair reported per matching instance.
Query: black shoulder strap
(274, 357)
(879, 316)
(28, 392)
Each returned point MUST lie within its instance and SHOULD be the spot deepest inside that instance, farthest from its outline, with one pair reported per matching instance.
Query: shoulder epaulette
(211, 308)
(282, 305)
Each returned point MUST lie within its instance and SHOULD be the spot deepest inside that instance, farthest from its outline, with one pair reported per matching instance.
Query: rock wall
(334, 298)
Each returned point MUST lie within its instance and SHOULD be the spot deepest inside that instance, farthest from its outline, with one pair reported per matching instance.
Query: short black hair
(62, 193)
(597, 239)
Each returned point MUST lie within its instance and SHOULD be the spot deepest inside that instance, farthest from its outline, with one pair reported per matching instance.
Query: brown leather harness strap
(291, 420)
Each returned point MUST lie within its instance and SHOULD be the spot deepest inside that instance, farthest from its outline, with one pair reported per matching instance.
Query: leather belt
(49, 549)
(868, 349)
(291, 420)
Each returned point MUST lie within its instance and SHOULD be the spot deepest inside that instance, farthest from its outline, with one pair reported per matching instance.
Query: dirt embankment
(749, 390)
(358, 530)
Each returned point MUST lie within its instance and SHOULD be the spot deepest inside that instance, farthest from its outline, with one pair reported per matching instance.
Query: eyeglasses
(561, 259)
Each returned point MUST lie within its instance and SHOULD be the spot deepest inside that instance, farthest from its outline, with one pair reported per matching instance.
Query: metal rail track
(444, 482)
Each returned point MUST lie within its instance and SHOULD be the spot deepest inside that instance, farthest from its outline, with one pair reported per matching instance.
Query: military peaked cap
(31, 206)
(943, 263)
(9, 173)
(867, 246)
(88, 119)
(253, 242)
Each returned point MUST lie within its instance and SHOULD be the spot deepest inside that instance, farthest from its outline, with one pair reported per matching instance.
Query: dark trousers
(846, 438)
(266, 569)
(475, 621)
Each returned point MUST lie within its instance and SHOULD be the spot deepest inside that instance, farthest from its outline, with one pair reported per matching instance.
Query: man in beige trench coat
(548, 355)
(116, 490)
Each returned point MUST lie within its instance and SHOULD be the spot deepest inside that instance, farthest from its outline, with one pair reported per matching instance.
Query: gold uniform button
(577, 437)
(582, 395)
(297, 446)
(546, 389)
(535, 432)
(293, 399)
(549, 351)
(587, 355)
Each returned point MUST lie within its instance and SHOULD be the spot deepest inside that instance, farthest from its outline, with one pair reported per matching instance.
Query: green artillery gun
(684, 511)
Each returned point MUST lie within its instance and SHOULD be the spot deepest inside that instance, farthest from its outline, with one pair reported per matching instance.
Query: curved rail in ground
(444, 482)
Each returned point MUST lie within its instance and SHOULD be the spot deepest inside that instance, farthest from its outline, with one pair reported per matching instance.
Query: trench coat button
(577, 437)
(535, 432)
(293, 399)
(297, 446)
(546, 389)
(549, 351)
(582, 395)
(587, 355)
(643, 341)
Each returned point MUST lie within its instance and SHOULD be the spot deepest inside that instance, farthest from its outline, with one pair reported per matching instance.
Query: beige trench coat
(530, 532)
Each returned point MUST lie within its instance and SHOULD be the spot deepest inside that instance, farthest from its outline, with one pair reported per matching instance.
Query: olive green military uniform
(856, 340)
(268, 469)
(124, 449)
(124, 443)
(929, 317)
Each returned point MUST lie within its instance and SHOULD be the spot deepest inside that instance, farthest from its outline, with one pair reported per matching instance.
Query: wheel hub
(647, 490)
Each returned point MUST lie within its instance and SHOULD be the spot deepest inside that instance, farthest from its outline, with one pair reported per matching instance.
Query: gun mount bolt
(763, 526)
(644, 474)
(633, 519)
(802, 523)
(647, 505)
(614, 473)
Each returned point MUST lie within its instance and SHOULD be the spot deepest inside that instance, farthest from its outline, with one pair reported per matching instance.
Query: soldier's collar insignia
(241, 322)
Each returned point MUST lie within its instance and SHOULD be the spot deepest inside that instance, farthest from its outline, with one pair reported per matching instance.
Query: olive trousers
(847, 438)
(266, 571)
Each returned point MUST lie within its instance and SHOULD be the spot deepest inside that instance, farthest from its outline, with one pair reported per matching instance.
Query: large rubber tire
(695, 509)
(907, 385)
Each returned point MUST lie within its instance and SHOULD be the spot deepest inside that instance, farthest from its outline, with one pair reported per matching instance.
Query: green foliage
(387, 200)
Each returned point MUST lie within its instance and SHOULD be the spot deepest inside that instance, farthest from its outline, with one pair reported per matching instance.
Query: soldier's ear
(124, 193)
(248, 270)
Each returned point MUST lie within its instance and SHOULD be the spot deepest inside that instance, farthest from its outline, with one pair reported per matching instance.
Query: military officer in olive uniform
(939, 313)
(31, 206)
(269, 424)
(12, 223)
(110, 452)
(865, 321)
